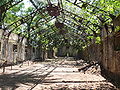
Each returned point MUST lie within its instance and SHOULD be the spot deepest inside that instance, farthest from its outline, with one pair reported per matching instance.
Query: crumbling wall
(110, 63)
(39, 54)
(92, 52)
(107, 54)
(11, 50)
(67, 51)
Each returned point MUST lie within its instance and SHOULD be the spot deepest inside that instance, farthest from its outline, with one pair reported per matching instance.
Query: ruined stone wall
(92, 53)
(14, 50)
(108, 54)
(110, 62)
(67, 51)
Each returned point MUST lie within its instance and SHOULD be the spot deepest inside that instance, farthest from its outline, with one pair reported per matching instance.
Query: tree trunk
(2, 10)
(50, 53)
(0, 20)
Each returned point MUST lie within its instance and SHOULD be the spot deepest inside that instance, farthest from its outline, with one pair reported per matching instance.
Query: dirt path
(53, 75)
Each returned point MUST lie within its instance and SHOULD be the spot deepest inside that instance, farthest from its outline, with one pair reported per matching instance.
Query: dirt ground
(54, 74)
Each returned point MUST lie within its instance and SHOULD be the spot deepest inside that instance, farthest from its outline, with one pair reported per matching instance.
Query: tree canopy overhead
(52, 23)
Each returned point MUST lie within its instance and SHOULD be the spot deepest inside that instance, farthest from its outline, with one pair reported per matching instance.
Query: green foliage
(117, 28)
(98, 40)
(82, 22)
(2, 2)
(13, 15)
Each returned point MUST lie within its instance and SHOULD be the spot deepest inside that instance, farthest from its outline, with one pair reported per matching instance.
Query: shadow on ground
(12, 81)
